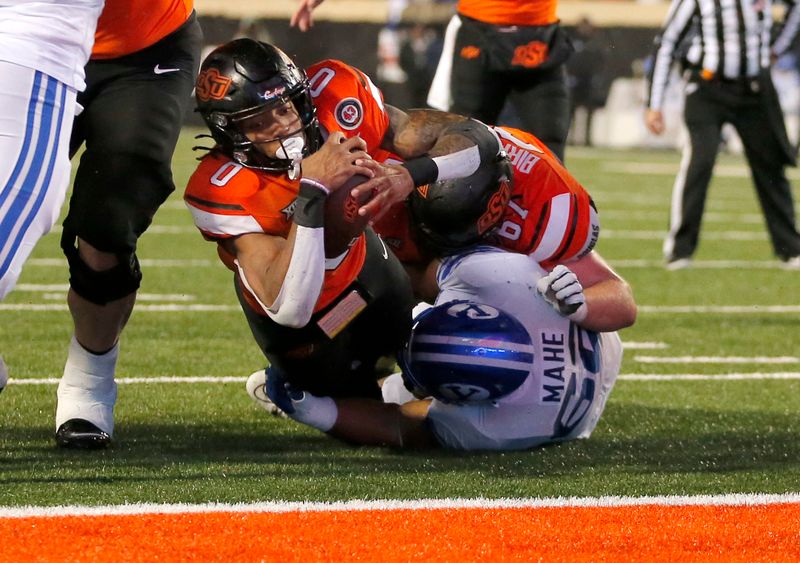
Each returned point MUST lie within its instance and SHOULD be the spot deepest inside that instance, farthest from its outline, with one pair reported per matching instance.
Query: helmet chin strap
(292, 149)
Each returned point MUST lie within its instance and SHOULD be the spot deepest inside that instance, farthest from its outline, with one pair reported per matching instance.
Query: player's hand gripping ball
(343, 224)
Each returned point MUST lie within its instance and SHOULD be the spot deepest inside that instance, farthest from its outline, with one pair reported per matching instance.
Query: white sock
(87, 389)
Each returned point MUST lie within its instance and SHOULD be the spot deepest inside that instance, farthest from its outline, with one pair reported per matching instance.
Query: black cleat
(81, 434)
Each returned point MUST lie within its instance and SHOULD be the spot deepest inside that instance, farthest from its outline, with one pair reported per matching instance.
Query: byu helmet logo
(461, 392)
(473, 311)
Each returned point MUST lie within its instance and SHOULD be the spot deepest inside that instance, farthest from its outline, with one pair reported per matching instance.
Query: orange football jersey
(227, 199)
(348, 101)
(550, 215)
(510, 12)
(127, 26)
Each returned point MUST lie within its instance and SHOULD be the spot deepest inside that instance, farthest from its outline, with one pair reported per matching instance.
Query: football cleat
(792, 263)
(81, 434)
(257, 389)
(678, 264)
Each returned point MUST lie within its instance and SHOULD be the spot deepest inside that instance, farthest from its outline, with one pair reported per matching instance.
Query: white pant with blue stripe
(36, 114)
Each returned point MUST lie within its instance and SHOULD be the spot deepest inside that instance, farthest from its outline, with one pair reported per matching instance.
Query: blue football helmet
(463, 352)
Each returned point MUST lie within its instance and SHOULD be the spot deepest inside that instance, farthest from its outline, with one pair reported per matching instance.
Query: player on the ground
(323, 318)
(483, 377)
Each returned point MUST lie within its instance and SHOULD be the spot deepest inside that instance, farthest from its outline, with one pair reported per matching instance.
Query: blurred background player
(139, 84)
(507, 50)
(483, 378)
(588, 79)
(43, 49)
(728, 67)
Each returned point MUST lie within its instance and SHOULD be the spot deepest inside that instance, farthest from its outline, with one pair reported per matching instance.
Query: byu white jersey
(51, 36)
(573, 369)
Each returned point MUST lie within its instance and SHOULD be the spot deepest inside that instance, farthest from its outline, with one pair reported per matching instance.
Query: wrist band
(316, 183)
(309, 208)
(580, 314)
(423, 170)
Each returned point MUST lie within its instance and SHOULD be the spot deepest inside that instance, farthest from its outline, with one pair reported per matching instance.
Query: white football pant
(36, 114)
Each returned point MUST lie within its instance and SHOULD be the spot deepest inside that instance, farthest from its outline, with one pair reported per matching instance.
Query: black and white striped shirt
(728, 39)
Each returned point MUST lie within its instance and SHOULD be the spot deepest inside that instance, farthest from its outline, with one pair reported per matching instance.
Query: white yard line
(171, 308)
(645, 345)
(720, 309)
(702, 264)
(658, 235)
(733, 499)
(716, 360)
(148, 262)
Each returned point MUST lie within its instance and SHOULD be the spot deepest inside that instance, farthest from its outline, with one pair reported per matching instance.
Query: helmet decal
(495, 208)
(465, 352)
(349, 113)
(272, 93)
(211, 85)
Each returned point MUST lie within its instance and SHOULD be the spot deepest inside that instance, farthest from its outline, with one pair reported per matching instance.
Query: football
(343, 224)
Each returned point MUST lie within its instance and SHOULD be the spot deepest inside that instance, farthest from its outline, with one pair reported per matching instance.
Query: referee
(727, 58)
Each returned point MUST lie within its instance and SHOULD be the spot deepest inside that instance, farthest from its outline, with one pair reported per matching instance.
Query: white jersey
(573, 369)
(51, 36)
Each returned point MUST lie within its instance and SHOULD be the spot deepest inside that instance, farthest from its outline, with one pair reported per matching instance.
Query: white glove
(562, 290)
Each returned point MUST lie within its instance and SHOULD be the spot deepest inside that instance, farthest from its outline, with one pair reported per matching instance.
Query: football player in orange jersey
(138, 88)
(323, 320)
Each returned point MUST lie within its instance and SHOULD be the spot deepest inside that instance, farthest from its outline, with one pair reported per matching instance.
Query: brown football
(343, 224)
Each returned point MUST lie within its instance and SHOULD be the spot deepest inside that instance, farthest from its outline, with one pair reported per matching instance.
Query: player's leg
(131, 124)
(343, 365)
(541, 100)
(35, 120)
(767, 161)
(704, 115)
(474, 91)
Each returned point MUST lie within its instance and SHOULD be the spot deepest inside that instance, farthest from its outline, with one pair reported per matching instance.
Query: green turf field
(736, 315)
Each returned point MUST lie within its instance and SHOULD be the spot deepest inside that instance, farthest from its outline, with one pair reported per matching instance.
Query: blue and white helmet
(464, 352)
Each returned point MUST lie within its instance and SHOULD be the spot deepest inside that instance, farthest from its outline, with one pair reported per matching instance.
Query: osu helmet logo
(495, 208)
(211, 85)
(349, 113)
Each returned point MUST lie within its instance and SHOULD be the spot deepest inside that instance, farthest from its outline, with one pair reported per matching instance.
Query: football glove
(562, 290)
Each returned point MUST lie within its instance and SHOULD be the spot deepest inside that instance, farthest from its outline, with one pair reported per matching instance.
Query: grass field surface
(708, 402)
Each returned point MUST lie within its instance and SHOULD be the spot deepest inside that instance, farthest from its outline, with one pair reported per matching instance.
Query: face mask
(291, 148)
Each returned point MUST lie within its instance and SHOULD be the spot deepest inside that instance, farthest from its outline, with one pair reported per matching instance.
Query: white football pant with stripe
(36, 115)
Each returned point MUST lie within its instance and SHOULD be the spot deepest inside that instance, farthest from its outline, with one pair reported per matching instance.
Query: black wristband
(423, 170)
(309, 210)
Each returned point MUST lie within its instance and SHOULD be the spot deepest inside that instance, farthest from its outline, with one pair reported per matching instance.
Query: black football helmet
(453, 214)
(243, 78)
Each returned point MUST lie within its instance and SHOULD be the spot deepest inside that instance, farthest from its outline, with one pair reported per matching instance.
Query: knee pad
(101, 287)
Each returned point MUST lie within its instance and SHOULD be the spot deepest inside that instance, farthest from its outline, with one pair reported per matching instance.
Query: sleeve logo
(349, 113)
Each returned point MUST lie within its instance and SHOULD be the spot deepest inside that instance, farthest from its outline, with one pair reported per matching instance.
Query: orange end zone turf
(631, 533)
